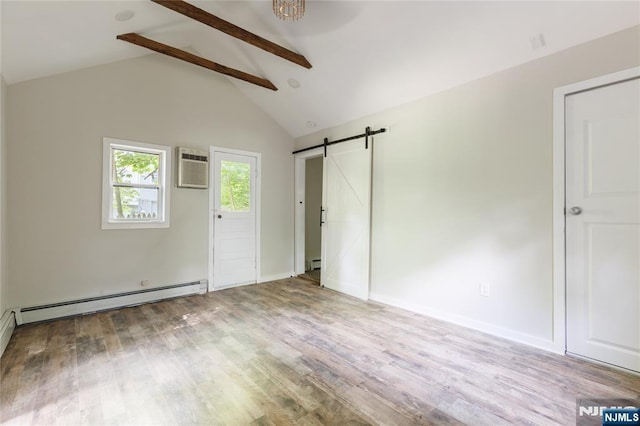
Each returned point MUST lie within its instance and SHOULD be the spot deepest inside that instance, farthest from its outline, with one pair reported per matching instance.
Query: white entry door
(234, 218)
(346, 198)
(603, 223)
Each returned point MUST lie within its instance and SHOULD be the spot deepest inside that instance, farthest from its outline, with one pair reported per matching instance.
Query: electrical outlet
(144, 283)
(485, 289)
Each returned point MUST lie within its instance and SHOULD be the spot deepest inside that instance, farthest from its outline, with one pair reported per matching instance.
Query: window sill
(135, 225)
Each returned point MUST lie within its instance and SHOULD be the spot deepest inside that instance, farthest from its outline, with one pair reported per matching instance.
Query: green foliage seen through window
(235, 186)
(134, 168)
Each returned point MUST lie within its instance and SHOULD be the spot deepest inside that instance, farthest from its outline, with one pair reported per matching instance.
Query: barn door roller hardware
(367, 132)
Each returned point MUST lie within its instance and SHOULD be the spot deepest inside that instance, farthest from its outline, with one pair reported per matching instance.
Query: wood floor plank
(286, 352)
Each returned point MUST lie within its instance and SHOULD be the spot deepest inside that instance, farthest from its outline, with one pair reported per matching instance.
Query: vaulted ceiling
(367, 56)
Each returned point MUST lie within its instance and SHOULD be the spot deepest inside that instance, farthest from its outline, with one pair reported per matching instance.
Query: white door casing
(234, 241)
(346, 198)
(603, 236)
(300, 160)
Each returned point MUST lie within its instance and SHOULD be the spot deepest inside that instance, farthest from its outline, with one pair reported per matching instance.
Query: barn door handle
(576, 211)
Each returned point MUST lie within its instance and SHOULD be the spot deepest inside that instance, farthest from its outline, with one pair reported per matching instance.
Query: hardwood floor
(286, 352)
(313, 276)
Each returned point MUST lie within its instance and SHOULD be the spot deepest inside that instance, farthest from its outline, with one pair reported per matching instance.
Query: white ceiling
(367, 56)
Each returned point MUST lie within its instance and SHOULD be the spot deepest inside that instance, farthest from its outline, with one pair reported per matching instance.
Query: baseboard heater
(104, 303)
(314, 264)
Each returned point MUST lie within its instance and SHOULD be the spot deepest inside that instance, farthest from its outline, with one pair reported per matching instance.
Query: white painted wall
(55, 128)
(3, 202)
(313, 201)
(462, 193)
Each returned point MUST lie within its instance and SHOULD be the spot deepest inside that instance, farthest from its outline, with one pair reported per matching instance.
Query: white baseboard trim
(276, 277)
(516, 336)
(7, 325)
(103, 303)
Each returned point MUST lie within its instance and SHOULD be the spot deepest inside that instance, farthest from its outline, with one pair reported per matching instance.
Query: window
(135, 184)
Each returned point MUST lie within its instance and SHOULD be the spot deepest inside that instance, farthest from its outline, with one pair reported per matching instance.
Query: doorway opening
(301, 265)
(313, 219)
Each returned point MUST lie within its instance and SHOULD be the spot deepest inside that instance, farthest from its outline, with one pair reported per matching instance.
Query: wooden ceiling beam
(139, 40)
(226, 27)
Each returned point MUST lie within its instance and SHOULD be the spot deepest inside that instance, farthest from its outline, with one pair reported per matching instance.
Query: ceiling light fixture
(288, 10)
(293, 83)
(125, 15)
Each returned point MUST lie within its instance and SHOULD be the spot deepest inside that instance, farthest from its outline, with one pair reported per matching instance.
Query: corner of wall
(7, 321)
(3, 198)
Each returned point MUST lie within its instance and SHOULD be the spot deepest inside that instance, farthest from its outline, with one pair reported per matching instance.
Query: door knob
(219, 216)
(576, 211)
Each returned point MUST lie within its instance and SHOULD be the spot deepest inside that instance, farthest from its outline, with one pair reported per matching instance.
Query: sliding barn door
(346, 198)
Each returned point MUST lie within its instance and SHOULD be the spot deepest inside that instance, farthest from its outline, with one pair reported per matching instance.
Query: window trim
(164, 184)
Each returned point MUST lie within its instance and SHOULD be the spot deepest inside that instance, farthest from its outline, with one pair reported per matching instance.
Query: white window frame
(164, 179)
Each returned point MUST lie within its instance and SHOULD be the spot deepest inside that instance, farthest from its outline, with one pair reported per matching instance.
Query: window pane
(135, 167)
(235, 186)
(135, 203)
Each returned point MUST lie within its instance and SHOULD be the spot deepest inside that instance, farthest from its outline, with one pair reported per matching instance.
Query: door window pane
(235, 186)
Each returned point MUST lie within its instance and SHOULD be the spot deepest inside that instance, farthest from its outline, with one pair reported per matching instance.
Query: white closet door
(603, 223)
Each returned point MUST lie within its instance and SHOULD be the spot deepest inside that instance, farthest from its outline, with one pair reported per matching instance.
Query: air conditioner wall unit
(193, 168)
